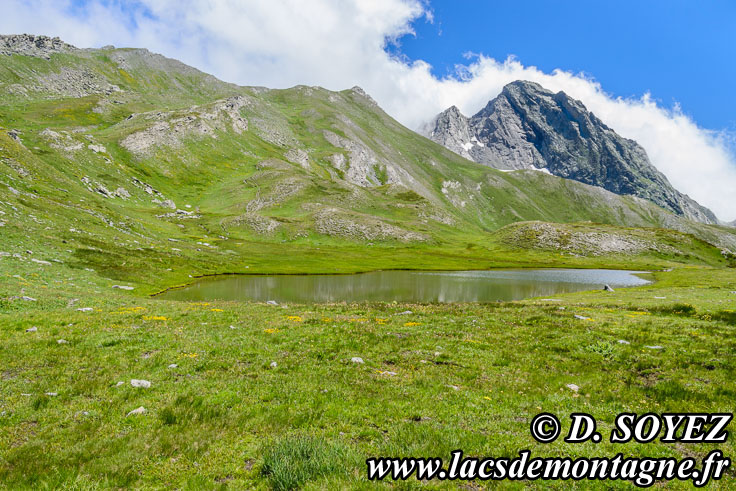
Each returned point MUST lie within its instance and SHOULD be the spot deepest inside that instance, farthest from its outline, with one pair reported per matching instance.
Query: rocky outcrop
(550, 236)
(529, 127)
(73, 82)
(363, 167)
(172, 129)
(30, 45)
(356, 226)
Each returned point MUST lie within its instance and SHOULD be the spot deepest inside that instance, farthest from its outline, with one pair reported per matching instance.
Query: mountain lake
(405, 286)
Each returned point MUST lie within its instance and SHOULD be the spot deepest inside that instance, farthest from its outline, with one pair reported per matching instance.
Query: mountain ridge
(119, 149)
(527, 126)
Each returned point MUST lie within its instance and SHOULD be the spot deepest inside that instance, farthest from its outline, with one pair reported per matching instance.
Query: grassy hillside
(116, 150)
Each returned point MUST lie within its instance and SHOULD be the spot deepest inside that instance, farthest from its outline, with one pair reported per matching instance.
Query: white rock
(52, 394)
(406, 312)
(140, 410)
(27, 299)
(173, 365)
(660, 298)
(62, 341)
(272, 302)
(32, 329)
(453, 387)
(655, 347)
(274, 364)
(573, 387)
(122, 193)
(85, 309)
(41, 261)
(623, 341)
(144, 384)
(357, 359)
(97, 148)
(582, 318)
(120, 384)
(233, 327)
(390, 374)
(122, 287)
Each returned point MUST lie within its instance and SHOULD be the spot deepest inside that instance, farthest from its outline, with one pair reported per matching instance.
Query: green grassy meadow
(468, 376)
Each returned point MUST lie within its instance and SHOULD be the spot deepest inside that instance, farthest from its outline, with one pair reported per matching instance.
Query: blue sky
(680, 51)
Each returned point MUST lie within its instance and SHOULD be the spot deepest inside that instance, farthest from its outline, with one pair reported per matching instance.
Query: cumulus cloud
(340, 43)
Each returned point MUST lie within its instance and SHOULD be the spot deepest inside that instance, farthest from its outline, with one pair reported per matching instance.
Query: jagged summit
(362, 93)
(530, 127)
(31, 45)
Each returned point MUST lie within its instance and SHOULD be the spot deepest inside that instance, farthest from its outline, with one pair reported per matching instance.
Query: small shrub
(40, 403)
(410, 196)
(107, 343)
(297, 459)
(603, 348)
(167, 416)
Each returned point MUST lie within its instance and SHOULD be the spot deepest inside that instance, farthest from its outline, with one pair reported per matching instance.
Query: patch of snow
(543, 169)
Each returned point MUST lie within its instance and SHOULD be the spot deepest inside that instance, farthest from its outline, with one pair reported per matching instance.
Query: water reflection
(405, 286)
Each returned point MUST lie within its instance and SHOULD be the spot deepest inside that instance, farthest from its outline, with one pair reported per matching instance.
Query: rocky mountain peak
(450, 129)
(362, 93)
(31, 45)
(524, 87)
(530, 127)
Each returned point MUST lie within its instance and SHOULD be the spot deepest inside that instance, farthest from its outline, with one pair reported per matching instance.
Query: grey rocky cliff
(529, 127)
(30, 45)
(452, 130)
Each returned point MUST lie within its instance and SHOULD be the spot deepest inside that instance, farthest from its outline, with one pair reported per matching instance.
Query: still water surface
(405, 286)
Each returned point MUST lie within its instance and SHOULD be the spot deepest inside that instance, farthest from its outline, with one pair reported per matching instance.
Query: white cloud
(338, 44)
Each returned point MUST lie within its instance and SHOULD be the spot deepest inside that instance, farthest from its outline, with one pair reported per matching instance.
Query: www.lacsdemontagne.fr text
(641, 471)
